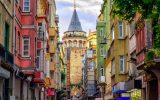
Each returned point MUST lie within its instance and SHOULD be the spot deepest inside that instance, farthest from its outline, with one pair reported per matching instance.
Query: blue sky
(88, 11)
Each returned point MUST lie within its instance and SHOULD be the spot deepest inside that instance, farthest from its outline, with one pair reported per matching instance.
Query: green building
(103, 31)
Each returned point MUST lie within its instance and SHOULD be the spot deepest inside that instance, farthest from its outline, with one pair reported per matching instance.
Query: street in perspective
(79, 49)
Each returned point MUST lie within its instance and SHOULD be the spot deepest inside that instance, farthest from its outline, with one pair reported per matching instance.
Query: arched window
(75, 44)
(80, 43)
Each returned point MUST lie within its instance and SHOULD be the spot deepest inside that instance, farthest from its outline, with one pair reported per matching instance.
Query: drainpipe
(13, 47)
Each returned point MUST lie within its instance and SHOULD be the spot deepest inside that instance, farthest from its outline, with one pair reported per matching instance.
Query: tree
(148, 9)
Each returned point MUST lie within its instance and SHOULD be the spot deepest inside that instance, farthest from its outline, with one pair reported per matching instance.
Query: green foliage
(157, 37)
(148, 9)
(150, 55)
(63, 76)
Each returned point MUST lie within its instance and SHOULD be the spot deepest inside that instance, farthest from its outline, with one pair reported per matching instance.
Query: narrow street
(79, 49)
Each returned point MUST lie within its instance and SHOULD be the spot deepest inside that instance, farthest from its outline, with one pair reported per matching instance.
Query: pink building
(25, 26)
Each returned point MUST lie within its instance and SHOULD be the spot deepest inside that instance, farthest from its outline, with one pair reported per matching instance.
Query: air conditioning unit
(102, 79)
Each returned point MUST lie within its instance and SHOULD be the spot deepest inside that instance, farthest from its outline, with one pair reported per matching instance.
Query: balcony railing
(76, 36)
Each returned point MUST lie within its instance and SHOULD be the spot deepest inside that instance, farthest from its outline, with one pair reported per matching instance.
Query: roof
(75, 24)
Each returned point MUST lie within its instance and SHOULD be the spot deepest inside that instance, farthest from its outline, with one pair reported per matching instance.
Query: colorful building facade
(6, 49)
(74, 41)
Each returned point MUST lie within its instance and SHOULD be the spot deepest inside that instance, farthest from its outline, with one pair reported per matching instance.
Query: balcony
(103, 41)
(102, 80)
(6, 58)
(52, 66)
(39, 77)
(52, 32)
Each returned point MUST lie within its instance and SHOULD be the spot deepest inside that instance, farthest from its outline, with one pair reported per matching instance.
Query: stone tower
(74, 42)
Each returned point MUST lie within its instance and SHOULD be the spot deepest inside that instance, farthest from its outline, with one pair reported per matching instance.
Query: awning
(4, 73)
(50, 92)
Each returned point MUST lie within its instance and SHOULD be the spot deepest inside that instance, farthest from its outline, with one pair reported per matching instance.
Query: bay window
(26, 47)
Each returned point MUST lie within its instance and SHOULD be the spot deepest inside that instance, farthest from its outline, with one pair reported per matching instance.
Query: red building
(29, 80)
(151, 73)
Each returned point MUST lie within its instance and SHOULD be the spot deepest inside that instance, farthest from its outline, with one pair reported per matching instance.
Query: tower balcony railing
(75, 36)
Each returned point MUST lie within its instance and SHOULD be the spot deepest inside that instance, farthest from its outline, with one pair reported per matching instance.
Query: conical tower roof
(75, 24)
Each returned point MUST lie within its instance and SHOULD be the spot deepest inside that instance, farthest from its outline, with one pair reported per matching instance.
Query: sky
(88, 11)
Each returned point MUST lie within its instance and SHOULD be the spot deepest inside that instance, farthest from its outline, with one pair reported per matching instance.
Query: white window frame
(121, 60)
(39, 56)
(28, 38)
(113, 67)
(119, 29)
(101, 32)
(112, 33)
(27, 6)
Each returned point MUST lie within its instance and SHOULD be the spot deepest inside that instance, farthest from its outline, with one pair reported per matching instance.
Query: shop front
(134, 88)
(4, 82)
(119, 90)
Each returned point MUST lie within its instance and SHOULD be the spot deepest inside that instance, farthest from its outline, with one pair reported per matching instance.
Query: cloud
(88, 10)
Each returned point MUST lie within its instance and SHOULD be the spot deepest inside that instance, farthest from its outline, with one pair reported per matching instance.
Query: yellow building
(91, 40)
(118, 55)
(53, 38)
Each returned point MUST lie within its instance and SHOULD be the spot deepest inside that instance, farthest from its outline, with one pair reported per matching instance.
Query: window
(120, 29)
(6, 36)
(102, 71)
(132, 28)
(112, 33)
(26, 5)
(113, 67)
(75, 43)
(38, 58)
(101, 32)
(101, 51)
(52, 41)
(40, 27)
(121, 64)
(26, 47)
(51, 57)
(18, 48)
